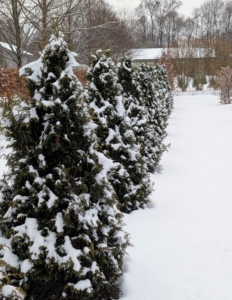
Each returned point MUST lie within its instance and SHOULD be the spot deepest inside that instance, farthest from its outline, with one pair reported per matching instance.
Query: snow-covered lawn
(183, 244)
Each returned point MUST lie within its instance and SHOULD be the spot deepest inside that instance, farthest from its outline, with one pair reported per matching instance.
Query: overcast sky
(186, 8)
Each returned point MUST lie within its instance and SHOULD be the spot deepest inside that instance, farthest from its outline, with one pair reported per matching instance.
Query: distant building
(148, 55)
(6, 60)
(152, 55)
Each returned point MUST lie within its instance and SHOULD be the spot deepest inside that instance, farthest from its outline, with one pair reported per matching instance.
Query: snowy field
(183, 244)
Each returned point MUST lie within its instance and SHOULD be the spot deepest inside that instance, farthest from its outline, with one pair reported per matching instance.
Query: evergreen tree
(137, 111)
(164, 90)
(60, 220)
(151, 139)
(160, 116)
(115, 134)
(149, 102)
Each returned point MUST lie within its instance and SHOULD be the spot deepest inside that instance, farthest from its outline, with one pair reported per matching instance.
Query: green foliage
(5, 109)
(146, 77)
(76, 158)
(59, 212)
(164, 89)
(149, 102)
(115, 133)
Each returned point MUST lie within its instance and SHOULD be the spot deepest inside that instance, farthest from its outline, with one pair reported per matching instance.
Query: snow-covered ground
(183, 244)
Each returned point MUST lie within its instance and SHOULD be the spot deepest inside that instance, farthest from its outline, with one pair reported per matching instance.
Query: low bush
(225, 85)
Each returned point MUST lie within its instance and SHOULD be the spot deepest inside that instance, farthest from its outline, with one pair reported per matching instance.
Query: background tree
(15, 29)
(162, 17)
(96, 26)
(48, 15)
(167, 60)
(225, 85)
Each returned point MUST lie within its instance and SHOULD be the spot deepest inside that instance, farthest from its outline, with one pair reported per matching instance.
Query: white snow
(6, 253)
(146, 53)
(26, 266)
(120, 107)
(42, 160)
(59, 223)
(83, 284)
(13, 47)
(156, 53)
(107, 163)
(36, 66)
(52, 198)
(11, 291)
(183, 245)
(91, 217)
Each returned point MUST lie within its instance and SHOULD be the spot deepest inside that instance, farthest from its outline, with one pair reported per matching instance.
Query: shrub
(115, 132)
(225, 85)
(60, 216)
(198, 80)
(183, 82)
(12, 86)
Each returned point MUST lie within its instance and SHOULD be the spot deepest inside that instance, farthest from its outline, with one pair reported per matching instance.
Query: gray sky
(186, 8)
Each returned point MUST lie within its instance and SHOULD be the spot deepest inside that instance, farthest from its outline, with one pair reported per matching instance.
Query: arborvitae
(134, 106)
(60, 221)
(151, 141)
(115, 134)
(137, 111)
(164, 89)
(161, 115)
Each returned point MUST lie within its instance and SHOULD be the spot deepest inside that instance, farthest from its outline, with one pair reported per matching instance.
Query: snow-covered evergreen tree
(164, 89)
(137, 111)
(134, 107)
(60, 222)
(149, 135)
(115, 133)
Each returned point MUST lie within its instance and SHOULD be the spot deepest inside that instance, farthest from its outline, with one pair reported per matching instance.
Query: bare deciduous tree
(47, 16)
(15, 29)
(163, 20)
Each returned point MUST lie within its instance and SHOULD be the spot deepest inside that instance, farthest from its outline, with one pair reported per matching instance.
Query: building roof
(8, 47)
(146, 53)
(155, 53)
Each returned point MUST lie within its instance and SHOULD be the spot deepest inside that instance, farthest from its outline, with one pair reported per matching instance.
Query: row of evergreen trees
(80, 157)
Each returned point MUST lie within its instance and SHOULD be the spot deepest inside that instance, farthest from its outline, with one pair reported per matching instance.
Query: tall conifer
(60, 220)
(115, 133)
(164, 89)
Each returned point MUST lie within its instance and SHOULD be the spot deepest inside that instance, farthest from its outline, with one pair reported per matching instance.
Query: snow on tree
(149, 102)
(60, 223)
(134, 107)
(152, 138)
(165, 95)
(138, 112)
(115, 133)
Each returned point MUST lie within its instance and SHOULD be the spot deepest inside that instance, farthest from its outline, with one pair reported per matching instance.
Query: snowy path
(183, 244)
